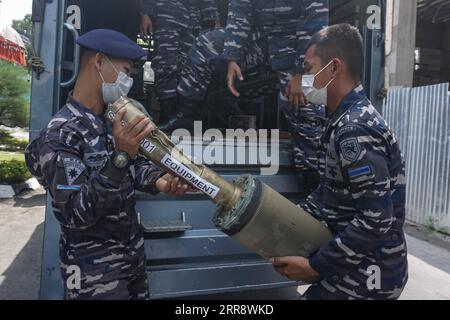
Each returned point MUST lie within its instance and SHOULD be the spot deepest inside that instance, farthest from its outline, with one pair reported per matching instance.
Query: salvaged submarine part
(162, 152)
(269, 224)
(249, 211)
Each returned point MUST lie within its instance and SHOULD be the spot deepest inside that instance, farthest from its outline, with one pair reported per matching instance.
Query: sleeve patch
(350, 149)
(73, 168)
(354, 173)
(62, 187)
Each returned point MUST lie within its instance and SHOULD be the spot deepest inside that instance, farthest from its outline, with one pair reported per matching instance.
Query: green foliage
(13, 171)
(25, 28)
(11, 156)
(430, 224)
(15, 145)
(9, 143)
(14, 95)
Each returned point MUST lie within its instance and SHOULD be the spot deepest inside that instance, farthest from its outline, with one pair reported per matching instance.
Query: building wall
(401, 19)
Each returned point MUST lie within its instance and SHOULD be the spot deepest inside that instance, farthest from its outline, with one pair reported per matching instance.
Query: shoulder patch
(345, 129)
(73, 168)
(350, 149)
(95, 160)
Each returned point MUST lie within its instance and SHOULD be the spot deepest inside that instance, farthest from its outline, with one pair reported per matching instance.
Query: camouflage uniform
(176, 25)
(361, 198)
(257, 32)
(94, 203)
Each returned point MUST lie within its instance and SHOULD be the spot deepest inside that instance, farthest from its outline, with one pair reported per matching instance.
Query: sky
(14, 9)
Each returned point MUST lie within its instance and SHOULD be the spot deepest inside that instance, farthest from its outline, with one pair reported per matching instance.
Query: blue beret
(111, 43)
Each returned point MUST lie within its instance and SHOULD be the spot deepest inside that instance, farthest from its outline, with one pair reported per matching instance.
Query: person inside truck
(175, 26)
(256, 32)
(361, 197)
(91, 168)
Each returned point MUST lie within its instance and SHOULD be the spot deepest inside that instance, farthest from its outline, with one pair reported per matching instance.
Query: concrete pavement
(22, 228)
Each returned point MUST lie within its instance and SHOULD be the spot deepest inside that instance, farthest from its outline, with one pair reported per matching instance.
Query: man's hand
(233, 71)
(173, 185)
(295, 268)
(129, 137)
(295, 94)
(146, 25)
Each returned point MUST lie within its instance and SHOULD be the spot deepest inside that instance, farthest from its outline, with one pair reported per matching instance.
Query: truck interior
(186, 255)
(258, 105)
(432, 43)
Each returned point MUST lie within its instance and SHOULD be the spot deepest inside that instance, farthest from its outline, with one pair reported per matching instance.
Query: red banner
(12, 52)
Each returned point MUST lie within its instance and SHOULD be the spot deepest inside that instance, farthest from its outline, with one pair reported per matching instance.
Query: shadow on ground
(22, 277)
(29, 201)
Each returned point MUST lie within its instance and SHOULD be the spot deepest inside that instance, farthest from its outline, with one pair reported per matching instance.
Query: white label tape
(188, 175)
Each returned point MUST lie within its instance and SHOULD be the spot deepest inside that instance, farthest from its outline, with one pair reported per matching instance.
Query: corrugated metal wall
(420, 117)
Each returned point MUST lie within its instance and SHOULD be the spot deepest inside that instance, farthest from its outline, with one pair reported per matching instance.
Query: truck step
(162, 226)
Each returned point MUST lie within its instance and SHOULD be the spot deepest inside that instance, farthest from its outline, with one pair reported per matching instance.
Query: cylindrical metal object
(269, 224)
(249, 211)
(161, 151)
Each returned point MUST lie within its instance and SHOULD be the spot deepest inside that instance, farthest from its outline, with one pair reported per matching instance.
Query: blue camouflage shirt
(361, 198)
(100, 231)
(186, 13)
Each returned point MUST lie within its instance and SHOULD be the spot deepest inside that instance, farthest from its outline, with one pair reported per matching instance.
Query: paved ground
(21, 231)
(22, 228)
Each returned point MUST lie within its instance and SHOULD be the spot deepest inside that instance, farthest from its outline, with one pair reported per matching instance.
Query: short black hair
(86, 54)
(341, 41)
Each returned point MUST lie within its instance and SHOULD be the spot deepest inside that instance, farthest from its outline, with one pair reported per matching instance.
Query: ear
(337, 66)
(99, 60)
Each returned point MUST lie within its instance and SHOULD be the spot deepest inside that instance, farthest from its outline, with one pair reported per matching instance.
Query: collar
(353, 97)
(91, 119)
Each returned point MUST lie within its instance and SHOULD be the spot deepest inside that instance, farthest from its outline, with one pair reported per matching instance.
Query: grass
(10, 156)
(12, 168)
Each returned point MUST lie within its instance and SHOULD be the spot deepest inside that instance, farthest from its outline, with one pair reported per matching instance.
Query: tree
(25, 28)
(14, 95)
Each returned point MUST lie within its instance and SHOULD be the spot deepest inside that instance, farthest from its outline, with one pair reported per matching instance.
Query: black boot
(167, 109)
(184, 119)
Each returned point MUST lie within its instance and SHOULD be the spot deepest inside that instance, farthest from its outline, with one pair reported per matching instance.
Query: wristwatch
(121, 160)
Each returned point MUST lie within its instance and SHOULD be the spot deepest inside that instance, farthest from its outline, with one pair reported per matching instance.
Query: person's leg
(106, 281)
(109, 290)
(306, 128)
(324, 290)
(187, 41)
(195, 78)
(138, 286)
(165, 65)
(197, 72)
(254, 54)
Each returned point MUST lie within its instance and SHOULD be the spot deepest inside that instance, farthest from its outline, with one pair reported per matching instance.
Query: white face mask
(314, 95)
(113, 91)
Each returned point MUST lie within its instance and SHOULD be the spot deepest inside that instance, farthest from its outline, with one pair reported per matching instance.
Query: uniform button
(335, 278)
(394, 237)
